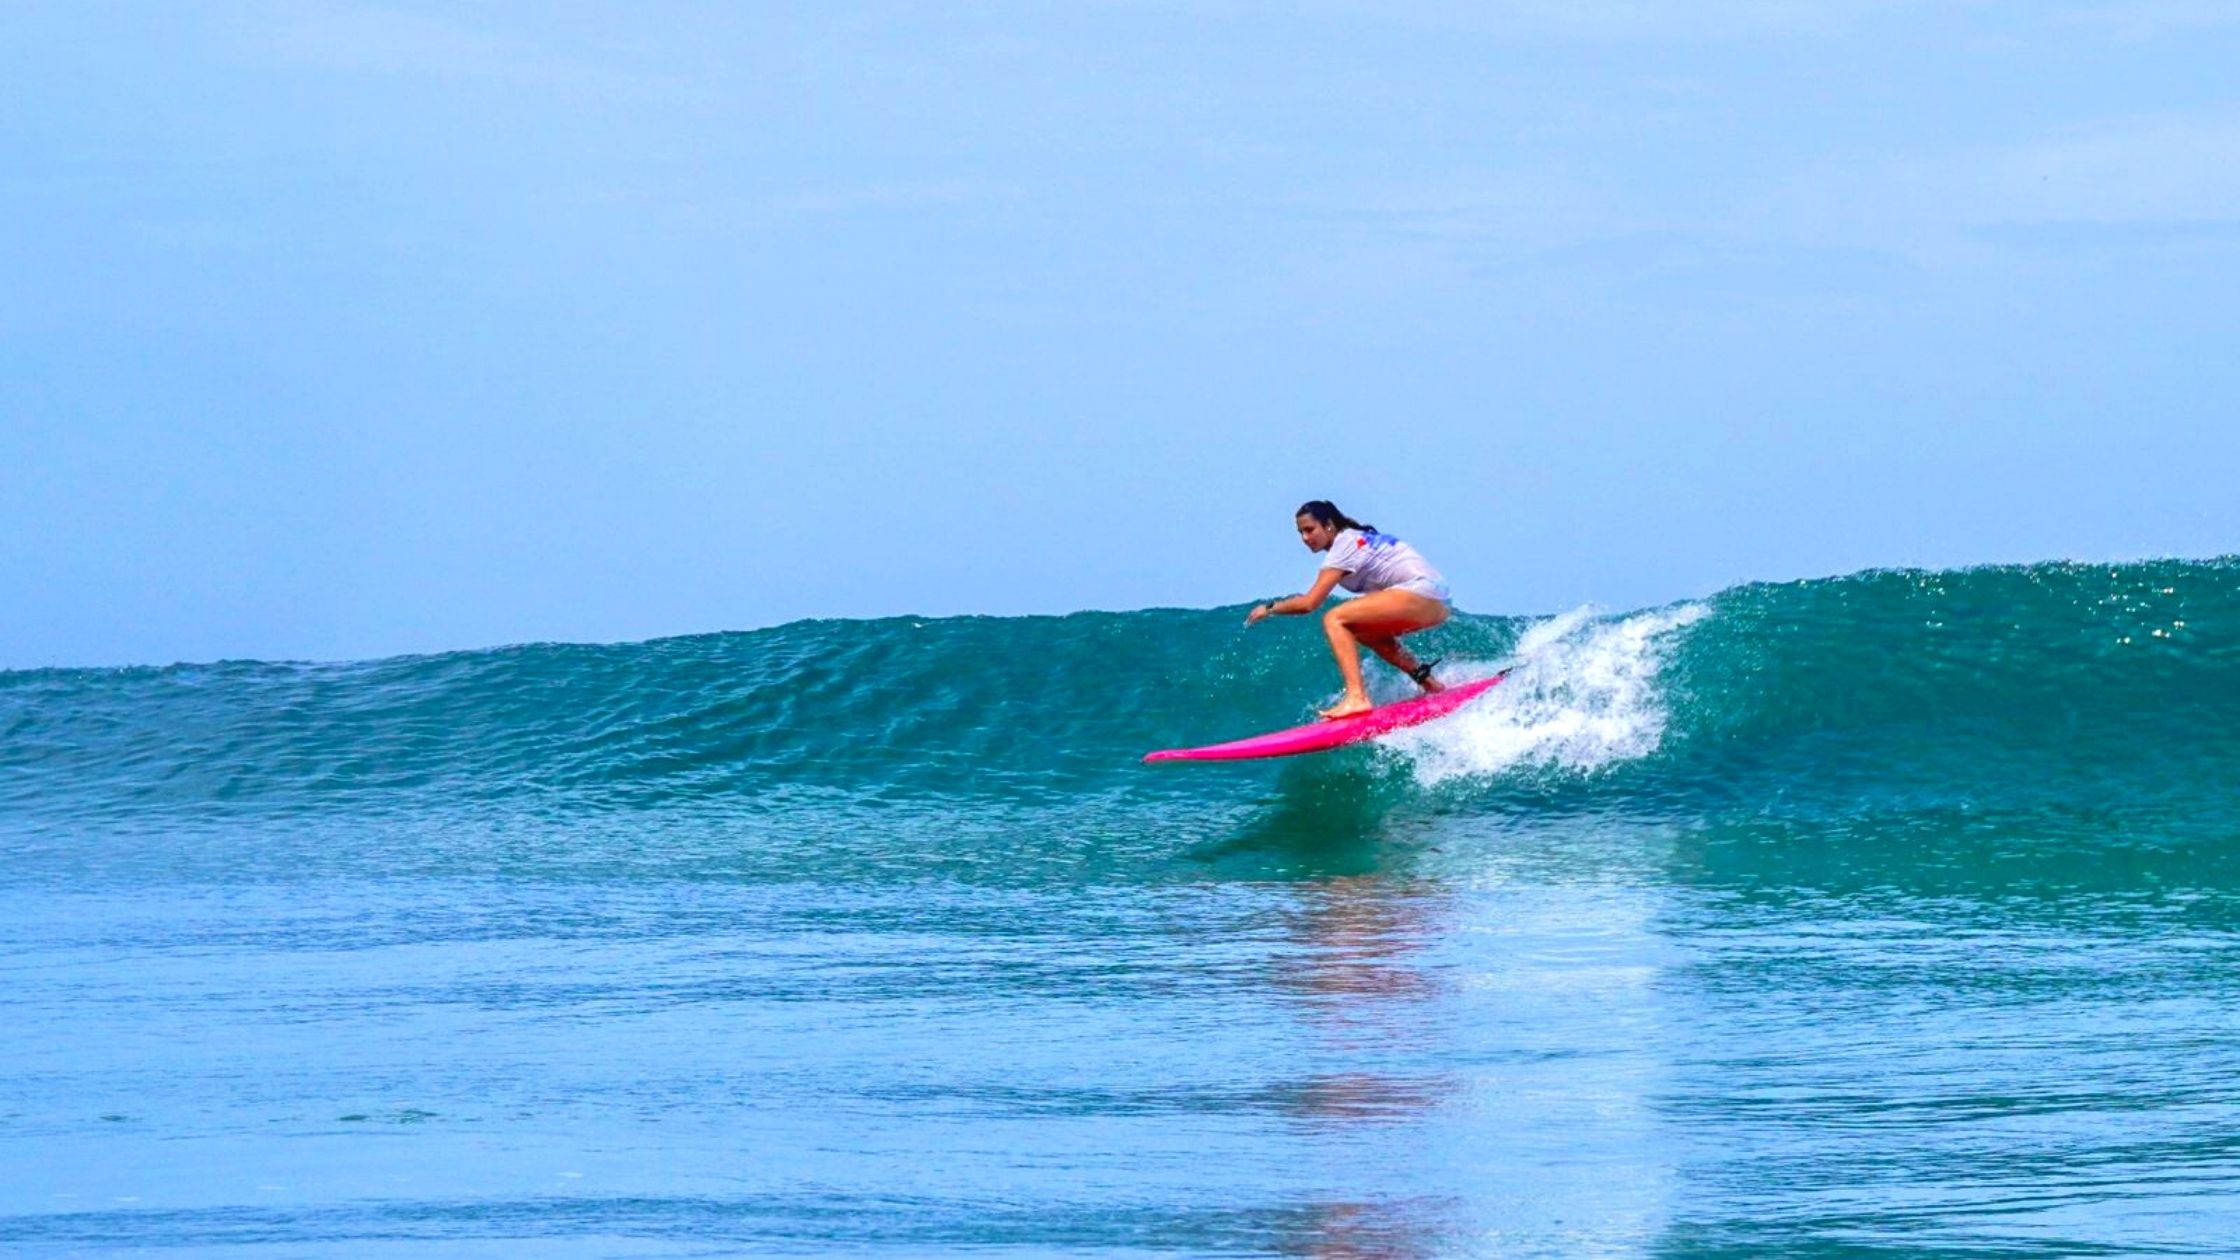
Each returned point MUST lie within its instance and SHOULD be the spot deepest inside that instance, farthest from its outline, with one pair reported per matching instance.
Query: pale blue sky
(334, 330)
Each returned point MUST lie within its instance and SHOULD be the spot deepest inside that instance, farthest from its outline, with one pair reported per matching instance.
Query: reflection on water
(1362, 996)
(1483, 1062)
(1393, 1229)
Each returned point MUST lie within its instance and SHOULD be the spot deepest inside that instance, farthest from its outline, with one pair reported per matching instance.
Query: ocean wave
(2044, 691)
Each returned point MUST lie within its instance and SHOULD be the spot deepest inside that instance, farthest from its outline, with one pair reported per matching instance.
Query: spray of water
(1582, 694)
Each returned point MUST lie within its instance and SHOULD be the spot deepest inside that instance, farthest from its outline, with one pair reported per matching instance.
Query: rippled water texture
(1899, 912)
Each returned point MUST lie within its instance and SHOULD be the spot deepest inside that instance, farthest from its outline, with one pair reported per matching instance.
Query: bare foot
(1347, 707)
(1432, 686)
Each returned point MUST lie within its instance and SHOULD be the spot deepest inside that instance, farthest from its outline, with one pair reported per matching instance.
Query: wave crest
(1584, 693)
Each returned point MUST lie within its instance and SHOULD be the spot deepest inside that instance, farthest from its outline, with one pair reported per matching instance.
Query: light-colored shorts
(1426, 588)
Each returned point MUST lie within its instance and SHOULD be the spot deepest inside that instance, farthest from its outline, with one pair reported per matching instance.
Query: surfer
(1397, 593)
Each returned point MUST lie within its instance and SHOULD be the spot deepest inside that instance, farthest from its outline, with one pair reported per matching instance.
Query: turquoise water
(1897, 912)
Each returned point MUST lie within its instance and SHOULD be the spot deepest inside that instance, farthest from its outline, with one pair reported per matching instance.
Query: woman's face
(1315, 534)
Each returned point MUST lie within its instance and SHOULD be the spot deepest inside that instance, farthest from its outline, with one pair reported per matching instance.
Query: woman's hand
(1259, 613)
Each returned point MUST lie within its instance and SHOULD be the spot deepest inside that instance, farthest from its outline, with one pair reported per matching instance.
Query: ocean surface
(1892, 913)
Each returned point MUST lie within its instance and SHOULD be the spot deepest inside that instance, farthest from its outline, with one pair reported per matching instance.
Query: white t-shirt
(1377, 562)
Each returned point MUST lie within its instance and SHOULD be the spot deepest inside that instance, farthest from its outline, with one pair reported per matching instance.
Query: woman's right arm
(1298, 605)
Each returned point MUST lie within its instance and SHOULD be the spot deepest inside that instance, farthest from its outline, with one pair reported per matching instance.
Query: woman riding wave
(1398, 593)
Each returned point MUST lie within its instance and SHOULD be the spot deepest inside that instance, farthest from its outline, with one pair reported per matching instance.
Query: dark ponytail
(1325, 511)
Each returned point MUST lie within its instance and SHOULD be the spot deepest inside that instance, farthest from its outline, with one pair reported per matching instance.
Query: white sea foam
(1583, 694)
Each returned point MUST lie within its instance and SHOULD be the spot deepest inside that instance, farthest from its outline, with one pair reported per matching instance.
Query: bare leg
(1348, 652)
(1403, 660)
(1385, 615)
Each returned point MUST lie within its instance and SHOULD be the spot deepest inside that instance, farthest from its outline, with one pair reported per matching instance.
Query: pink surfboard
(1337, 732)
